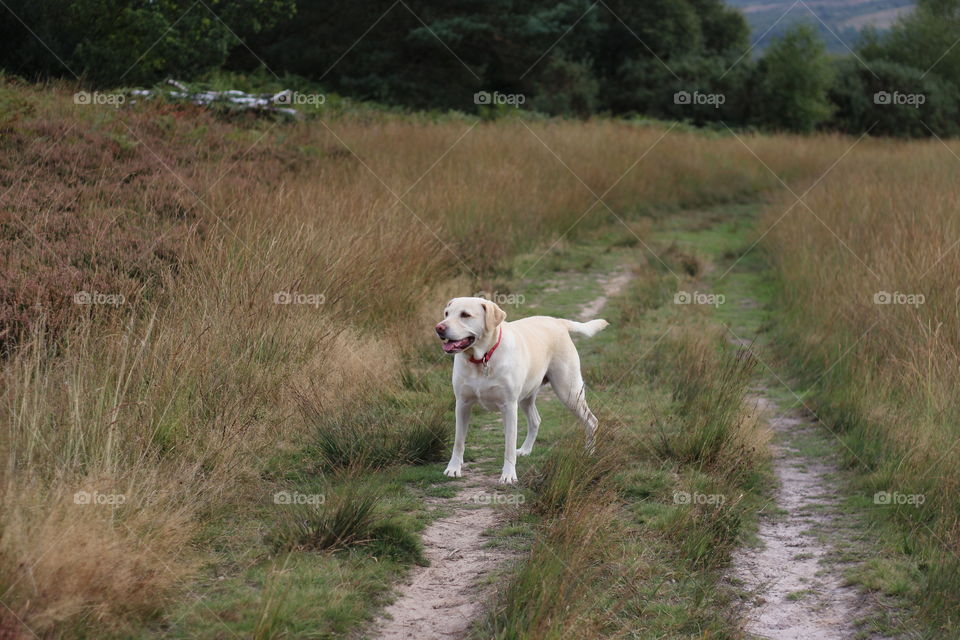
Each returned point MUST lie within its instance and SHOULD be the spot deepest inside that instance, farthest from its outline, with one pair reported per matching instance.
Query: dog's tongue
(453, 346)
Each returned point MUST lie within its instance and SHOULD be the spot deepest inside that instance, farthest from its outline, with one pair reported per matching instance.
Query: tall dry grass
(172, 401)
(888, 370)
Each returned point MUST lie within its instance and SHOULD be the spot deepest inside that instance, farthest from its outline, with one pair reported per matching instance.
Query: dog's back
(544, 338)
(556, 327)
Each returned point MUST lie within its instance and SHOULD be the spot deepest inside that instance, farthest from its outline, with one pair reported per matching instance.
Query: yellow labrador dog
(502, 365)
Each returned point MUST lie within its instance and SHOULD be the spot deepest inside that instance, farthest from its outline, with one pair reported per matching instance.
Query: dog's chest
(489, 391)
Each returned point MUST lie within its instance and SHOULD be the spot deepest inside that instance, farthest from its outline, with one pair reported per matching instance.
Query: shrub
(866, 95)
(568, 472)
(714, 429)
(554, 593)
(378, 434)
(347, 517)
(706, 534)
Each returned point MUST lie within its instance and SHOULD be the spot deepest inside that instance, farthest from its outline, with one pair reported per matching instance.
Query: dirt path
(791, 580)
(795, 594)
(810, 534)
(444, 599)
(612, 284)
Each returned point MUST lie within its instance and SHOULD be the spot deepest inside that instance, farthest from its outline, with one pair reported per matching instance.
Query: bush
(714, 430)
(556, 592)
(567, 473)
(343, 519)
(380, 434)
(706, 534)
(866, 97)
(348, 517)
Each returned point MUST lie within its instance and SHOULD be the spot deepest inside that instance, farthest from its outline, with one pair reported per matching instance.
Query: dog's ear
(492, 316)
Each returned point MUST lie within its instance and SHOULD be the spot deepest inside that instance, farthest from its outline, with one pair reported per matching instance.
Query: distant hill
(838, 21)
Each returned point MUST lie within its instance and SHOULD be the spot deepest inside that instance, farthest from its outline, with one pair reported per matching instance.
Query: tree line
(688, 60)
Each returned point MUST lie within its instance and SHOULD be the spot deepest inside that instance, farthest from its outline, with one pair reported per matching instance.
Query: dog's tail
(588, 329)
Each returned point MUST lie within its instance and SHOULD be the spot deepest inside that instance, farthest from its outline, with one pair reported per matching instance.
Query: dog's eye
(464, 315)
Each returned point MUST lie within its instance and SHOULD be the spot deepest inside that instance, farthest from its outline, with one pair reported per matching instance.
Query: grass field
(871, 321)
(224, 409)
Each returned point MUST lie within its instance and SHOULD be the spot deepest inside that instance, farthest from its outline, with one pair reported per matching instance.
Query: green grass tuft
(383, 433)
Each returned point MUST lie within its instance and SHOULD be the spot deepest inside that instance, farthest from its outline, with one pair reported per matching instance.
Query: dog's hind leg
(529, 406)
(568, 384)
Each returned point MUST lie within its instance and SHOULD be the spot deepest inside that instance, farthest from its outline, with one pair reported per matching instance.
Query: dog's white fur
(532, 352)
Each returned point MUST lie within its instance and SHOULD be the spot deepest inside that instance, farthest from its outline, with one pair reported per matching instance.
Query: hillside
(838, 22)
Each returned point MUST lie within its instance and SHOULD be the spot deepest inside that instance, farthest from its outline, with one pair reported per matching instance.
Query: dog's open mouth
(456, 346)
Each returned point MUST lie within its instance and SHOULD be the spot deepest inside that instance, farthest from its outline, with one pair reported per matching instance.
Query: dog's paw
(453, 471)
(509, 476)
(524, 451)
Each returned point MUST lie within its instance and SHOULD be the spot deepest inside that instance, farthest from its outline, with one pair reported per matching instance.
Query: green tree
(665, 46)
(111, 42)
(569, 57)
(924, 39)
(891, 99)
(793, 79)
(566, 88)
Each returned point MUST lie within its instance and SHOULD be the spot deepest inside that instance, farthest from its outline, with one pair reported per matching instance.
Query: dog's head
(466, 320)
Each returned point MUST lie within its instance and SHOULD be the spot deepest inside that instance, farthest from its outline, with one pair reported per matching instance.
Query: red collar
(486, 357)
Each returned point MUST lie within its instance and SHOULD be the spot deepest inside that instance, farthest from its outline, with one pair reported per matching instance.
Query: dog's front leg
(460, 439)
(509, 475)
